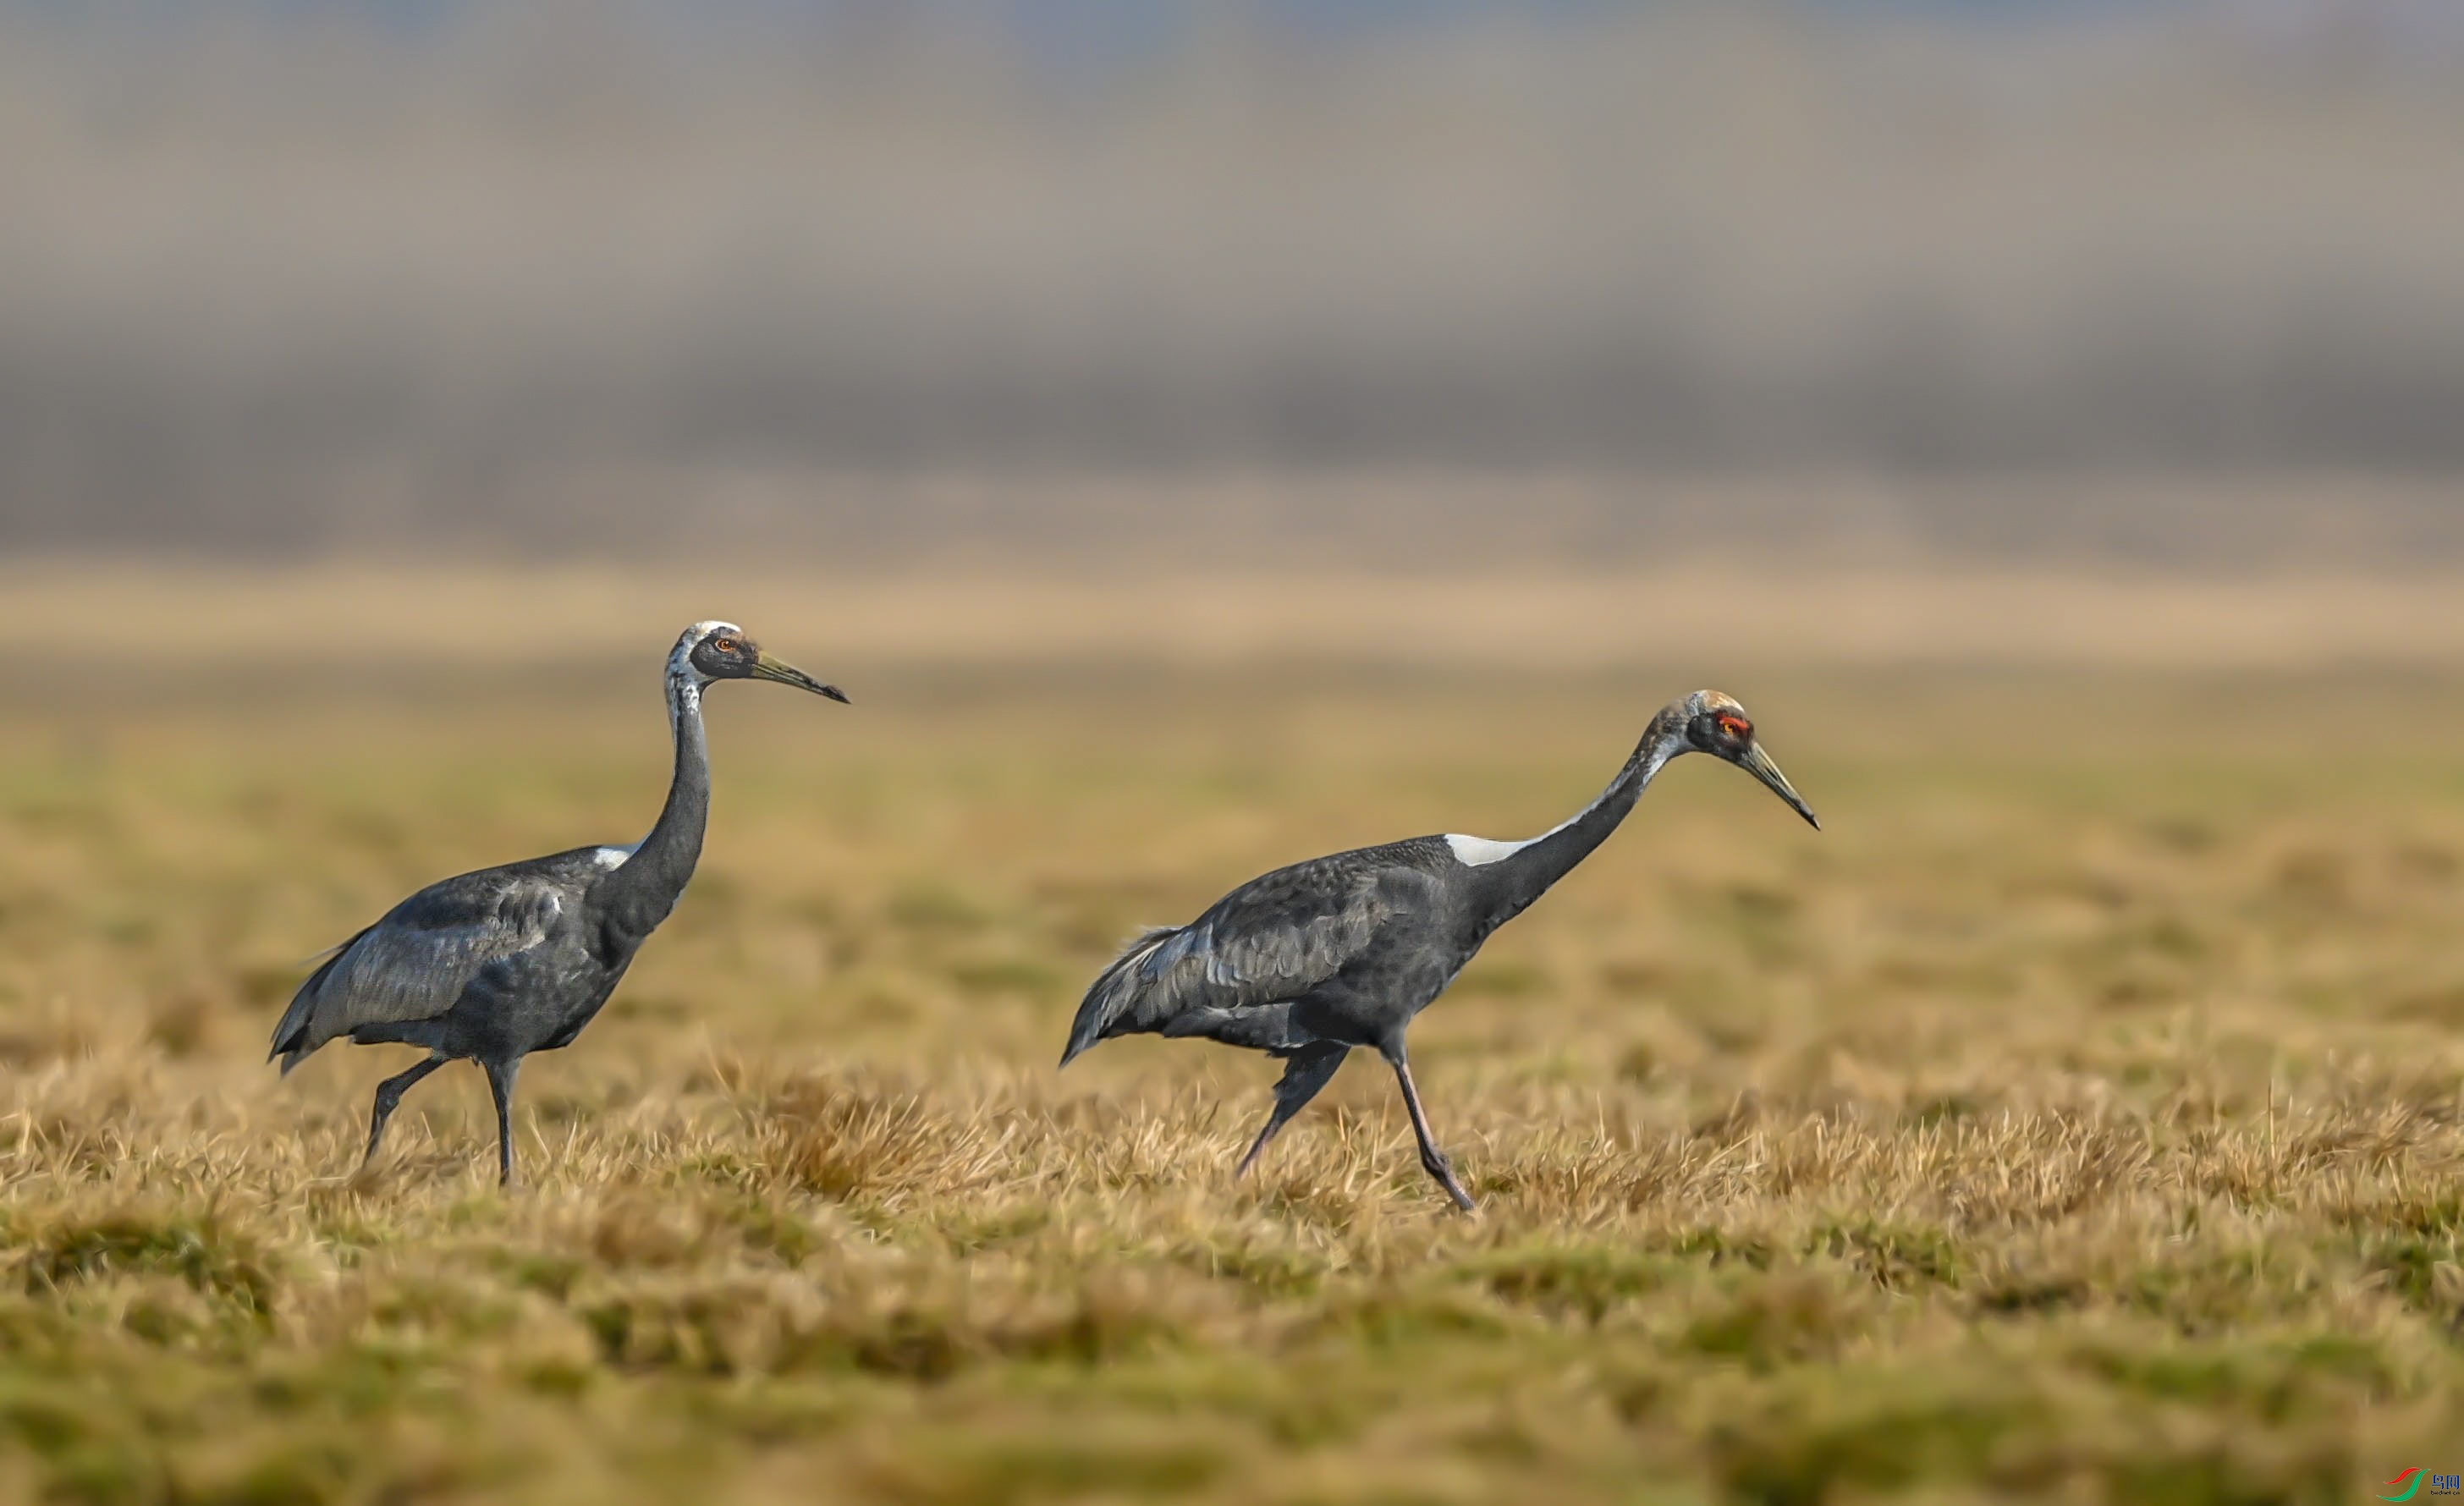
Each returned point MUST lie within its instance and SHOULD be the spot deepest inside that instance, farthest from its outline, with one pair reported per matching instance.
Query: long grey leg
(389, 1094)
(500, 1085)
(1305, 1074)
(1432, 1160)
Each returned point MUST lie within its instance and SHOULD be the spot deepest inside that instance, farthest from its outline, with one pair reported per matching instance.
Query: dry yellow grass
(2077, 1117)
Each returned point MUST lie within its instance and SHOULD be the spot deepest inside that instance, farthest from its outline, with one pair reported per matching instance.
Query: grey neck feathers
(638, 895)
(1511, 883)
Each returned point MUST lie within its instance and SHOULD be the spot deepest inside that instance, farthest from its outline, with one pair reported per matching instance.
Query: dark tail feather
(291, 1034)
(1112, 993)
(289, 1040)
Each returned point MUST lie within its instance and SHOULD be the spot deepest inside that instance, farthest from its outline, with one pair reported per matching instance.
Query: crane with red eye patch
(502, 962)
(1310, 961)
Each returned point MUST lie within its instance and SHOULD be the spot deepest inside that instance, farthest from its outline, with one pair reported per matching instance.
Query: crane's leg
(389, 1094)
(1305, 1074)
(1432, 1160)
(500, 1086)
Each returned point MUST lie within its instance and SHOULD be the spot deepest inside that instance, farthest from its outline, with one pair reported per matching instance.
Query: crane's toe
(1441, 1170)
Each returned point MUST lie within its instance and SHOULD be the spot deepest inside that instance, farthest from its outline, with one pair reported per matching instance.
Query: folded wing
(1232, 973)
(415, 963)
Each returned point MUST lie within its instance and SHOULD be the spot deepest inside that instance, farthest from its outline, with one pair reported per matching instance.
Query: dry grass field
(2076, 1118)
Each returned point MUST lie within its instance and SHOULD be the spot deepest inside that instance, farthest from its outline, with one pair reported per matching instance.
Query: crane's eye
(723, 644)
(1735, 725)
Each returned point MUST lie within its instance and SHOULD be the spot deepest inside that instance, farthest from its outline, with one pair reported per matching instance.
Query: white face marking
(680, 664)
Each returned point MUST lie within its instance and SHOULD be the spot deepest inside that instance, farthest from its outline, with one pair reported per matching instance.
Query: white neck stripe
(1479, 852)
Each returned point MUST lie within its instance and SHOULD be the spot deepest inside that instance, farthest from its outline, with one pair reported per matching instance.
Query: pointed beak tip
(1759, 764)
(781, 674)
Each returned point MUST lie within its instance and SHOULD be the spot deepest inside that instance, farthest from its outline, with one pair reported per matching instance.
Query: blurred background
(1061, 285)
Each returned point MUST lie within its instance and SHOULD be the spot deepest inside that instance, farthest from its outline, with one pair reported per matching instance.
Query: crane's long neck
(640, 893)
(1511, 875)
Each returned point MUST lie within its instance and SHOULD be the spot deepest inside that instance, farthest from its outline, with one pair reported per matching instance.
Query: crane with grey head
(494, 965)
(1307, 962)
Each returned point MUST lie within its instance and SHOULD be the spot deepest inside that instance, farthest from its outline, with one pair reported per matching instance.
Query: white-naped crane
(494, 965)
(1307, 962)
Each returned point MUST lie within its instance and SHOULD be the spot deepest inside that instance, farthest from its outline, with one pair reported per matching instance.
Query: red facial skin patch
(1735, 725)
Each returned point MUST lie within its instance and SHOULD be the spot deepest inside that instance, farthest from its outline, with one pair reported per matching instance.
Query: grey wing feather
(1267, 942)
(415, 962)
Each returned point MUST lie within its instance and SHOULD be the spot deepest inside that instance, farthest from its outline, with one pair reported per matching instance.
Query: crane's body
(1310, 961)
(1340, 950)
(513, 944)
(494, 965)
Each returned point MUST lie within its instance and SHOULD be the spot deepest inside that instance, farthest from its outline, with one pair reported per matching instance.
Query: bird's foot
(1443, 1171)
(366, 1171)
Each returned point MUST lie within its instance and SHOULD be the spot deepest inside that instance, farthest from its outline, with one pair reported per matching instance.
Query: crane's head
(709, 651)
(1710, 722)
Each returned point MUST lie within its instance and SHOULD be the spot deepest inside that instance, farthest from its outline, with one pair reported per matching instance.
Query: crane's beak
(1758, 763)
(765, 667)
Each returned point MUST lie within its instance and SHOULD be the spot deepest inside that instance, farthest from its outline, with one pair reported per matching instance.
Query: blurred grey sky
(766, 275)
